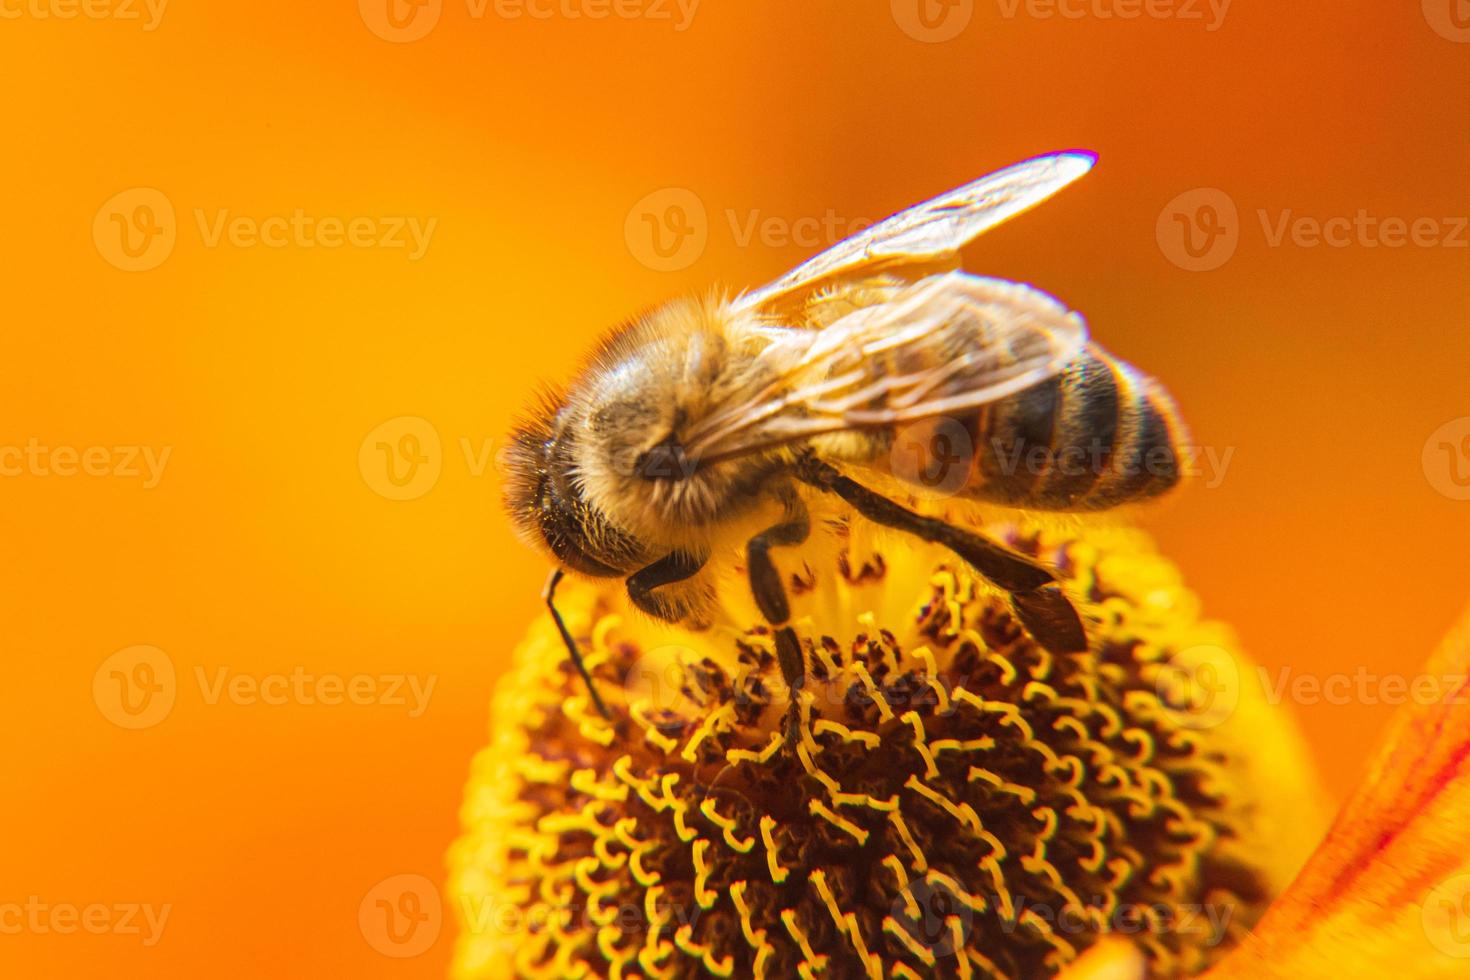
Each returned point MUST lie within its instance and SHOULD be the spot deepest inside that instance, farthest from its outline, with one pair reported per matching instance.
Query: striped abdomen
(1096, 436)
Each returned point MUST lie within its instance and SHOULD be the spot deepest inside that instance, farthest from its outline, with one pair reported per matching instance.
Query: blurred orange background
(536, 146)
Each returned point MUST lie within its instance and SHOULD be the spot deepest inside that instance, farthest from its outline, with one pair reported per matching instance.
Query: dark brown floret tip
(946, 799)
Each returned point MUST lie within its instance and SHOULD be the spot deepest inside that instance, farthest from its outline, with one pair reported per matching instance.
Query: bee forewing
(947, 344)
(932, 230)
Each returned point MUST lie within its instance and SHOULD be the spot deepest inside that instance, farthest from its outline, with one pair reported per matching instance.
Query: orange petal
(1387, 894)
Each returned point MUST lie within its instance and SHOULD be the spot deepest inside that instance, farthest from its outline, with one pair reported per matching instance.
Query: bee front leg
(676, 566)
(1038, 601)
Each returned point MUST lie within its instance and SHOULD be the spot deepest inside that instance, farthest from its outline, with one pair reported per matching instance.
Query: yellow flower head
(946, 798)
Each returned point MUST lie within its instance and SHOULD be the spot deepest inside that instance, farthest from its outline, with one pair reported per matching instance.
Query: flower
(945, 798)
(1388, 891)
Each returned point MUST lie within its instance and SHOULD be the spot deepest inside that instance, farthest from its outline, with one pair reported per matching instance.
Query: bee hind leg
(1038, 601)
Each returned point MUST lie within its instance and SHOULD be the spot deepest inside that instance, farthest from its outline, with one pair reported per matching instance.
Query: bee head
(549, 508)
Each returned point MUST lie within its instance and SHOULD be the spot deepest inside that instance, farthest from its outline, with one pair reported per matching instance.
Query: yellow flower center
(944, 797)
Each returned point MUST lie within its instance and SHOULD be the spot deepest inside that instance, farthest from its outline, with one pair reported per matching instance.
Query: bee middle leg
(770, 591)
(1039, 602)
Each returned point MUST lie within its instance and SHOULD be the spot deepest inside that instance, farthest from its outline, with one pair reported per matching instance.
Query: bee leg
(1039, 602)
(549, 594)
(770, 594)
(765, 579)
(676, 566)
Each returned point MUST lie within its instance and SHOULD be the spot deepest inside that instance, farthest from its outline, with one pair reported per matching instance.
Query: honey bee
(706, 415)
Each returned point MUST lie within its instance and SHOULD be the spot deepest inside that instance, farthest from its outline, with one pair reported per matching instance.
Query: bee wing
(928, 232)
(948, 343)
